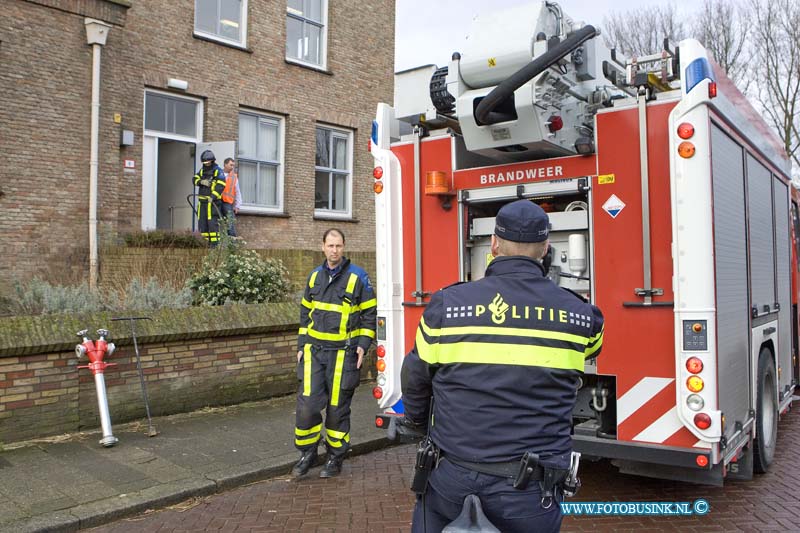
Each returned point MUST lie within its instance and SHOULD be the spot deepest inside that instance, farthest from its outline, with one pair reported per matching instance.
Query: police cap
(522, 221)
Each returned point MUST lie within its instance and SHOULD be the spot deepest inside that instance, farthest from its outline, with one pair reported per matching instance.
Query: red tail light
(702, 421)
(685, 130)
(380, 351)
(377, 392)
(712, 89)
(377, 173)
(379, 421)
(694, 365)
(702, 461)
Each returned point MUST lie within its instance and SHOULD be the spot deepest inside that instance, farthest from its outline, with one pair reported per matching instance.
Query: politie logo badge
(498, 307)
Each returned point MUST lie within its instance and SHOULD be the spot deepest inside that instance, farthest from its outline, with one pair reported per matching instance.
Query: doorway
(174, 168)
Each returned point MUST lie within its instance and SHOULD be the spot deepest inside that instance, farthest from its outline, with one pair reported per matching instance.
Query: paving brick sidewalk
(73, 482)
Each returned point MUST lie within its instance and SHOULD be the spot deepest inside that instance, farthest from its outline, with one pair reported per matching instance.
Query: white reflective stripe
(702, 444)
(661, 429)
(640, 394)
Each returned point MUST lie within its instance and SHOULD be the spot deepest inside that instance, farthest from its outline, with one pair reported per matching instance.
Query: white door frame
(150, 156)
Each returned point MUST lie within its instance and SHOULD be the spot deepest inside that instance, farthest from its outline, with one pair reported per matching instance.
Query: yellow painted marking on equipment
(605, 179)
(492, 62)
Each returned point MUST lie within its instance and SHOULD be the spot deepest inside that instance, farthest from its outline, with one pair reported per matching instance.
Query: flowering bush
(232, 274)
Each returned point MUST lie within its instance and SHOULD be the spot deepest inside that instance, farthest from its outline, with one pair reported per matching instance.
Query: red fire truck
(671, 208)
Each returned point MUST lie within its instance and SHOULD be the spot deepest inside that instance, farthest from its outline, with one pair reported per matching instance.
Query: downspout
(96, 34)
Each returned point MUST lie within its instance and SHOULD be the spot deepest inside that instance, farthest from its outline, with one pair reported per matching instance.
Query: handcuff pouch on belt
(427, 459)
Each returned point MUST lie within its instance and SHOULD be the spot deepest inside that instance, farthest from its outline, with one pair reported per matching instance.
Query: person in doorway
(504, 371)
(330, 350)
(210, 181)
(231, 195)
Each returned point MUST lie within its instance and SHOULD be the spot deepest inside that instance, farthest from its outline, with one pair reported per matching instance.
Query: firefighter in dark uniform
(210, 181)
(501, 357)
(337, 327)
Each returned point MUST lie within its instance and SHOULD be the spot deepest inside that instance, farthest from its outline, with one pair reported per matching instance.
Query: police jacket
(501, 357)
(338, 309)
(215, 176)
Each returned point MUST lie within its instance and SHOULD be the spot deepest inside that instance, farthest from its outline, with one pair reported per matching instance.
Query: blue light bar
(374, 132)
(697, 71)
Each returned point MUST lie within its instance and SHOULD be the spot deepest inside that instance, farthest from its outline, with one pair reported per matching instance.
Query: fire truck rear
(671, 209)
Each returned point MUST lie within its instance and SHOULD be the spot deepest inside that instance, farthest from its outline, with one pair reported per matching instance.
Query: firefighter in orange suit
(231, 195)
(337, 327)
(210, 181)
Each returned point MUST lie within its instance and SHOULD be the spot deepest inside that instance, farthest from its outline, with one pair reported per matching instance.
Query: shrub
(163, 239)
(152, 295)
(231, 274)
(38, 297)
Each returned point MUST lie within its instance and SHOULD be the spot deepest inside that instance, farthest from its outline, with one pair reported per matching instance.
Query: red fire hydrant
(96, 351)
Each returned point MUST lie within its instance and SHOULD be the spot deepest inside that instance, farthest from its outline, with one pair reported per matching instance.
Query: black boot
(305, 463)
(333, 467)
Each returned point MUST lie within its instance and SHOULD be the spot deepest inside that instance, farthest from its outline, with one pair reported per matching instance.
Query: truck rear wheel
(766, 413)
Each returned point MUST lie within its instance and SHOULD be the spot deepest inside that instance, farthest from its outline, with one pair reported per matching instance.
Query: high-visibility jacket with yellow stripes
(338, 310)
(502, 357)
(216, 178)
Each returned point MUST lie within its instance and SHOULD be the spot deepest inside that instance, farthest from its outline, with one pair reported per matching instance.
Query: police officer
(210, 180)
(502, 357)
(337, 327)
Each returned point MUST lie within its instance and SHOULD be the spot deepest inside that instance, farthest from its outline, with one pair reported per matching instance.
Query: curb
(163, 495)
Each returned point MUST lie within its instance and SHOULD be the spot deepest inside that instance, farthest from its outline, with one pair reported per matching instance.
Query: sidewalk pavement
(72, 482)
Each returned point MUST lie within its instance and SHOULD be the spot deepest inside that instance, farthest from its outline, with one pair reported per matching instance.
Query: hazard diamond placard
(613, 206)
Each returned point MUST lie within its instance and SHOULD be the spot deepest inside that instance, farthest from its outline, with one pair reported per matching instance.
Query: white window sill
(222, 41)
(310, 66)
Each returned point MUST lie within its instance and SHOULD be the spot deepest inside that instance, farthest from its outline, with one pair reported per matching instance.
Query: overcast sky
(429, 31)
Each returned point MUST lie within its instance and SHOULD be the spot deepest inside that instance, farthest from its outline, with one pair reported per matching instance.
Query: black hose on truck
(483, 113)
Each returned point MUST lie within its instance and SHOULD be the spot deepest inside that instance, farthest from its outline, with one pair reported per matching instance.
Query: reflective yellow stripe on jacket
(531, 347)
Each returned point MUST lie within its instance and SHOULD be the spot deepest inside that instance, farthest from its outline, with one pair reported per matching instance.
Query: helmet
(208, 155)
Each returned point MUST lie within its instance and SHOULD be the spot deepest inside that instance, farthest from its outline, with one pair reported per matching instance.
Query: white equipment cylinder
(577, 253)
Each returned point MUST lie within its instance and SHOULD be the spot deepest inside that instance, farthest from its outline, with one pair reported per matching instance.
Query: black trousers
(509, 509)
(327, 379)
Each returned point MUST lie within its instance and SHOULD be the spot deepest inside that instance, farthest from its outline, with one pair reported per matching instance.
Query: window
(221, 20)
(306, 31)
(332, 172)
(168, 114)
(260, 162)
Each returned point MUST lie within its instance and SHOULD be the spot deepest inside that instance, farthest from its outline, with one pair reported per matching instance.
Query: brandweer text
(520, 175)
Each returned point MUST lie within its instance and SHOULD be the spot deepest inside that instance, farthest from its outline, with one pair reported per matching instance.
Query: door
(174, 187)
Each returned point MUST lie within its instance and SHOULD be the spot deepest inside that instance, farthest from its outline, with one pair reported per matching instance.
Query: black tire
(766, 413)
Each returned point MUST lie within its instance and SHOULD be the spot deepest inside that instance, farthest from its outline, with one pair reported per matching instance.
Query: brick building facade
(295, 84)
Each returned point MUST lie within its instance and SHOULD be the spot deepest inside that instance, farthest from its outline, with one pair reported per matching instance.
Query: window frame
(349, 136)
(323, 24)
(215, 37)
(249, 208)
(197, 137)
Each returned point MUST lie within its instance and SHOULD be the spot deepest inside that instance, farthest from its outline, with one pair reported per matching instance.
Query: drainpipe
(96, 34)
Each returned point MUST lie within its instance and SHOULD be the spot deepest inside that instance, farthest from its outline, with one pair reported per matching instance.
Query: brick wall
(44, 150)
(185, 367)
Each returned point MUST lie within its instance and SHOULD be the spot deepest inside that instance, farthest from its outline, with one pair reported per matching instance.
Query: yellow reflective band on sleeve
(312, 279)
(306, 303)
(310, 440)
(304, 432)
(363, 332)
(307, 370)
(427, 351)
(302, 331)
(337, 377)
(595, 343)
(366, 305)
(507, 354)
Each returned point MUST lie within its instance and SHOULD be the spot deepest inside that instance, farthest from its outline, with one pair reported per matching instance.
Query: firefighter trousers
(327, 379)
(208, 213)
